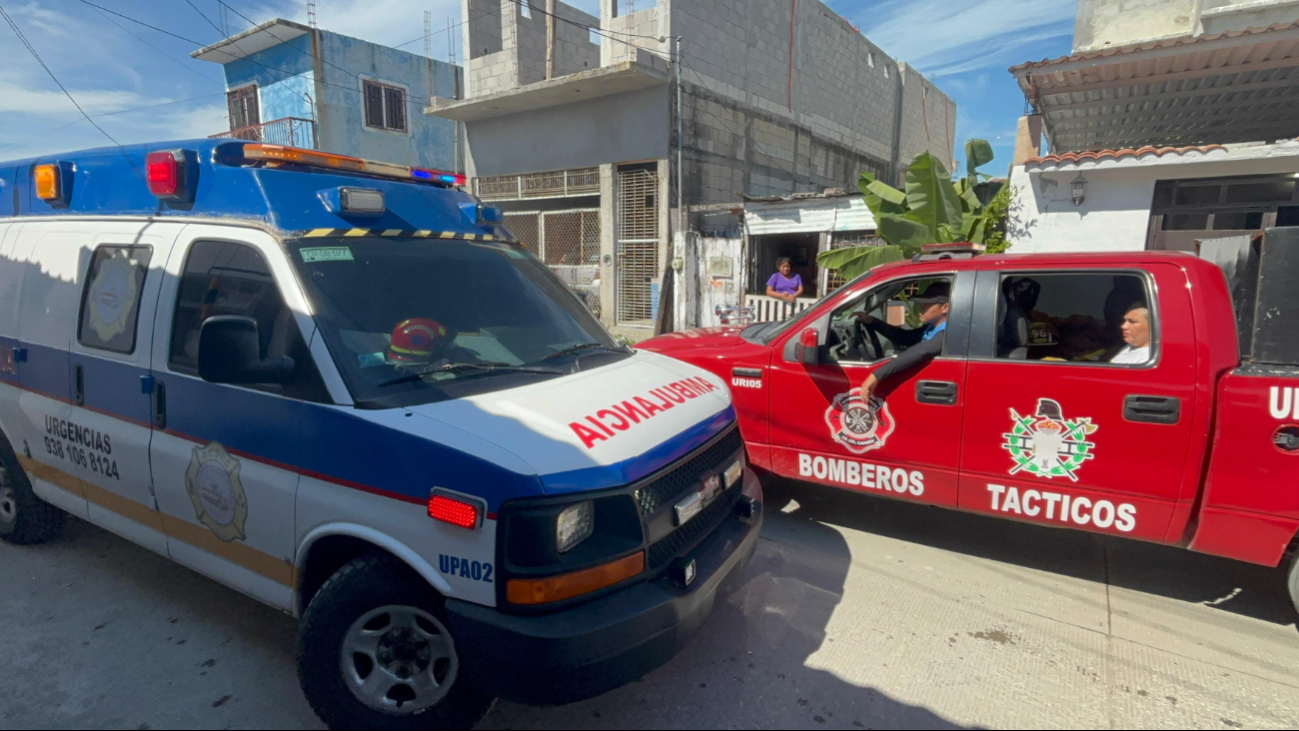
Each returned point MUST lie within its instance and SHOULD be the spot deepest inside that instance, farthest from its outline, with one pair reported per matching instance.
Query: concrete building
(1173, 122)
(576, 133)
(295, 85)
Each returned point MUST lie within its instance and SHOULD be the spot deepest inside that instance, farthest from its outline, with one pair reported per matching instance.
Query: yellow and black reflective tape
(317, 233)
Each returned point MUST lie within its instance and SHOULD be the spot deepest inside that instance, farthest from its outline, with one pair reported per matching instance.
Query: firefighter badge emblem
(1049, 445)
(858, 425)
(213, 485)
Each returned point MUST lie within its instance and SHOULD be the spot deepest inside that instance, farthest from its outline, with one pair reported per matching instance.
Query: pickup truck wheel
(374, 653)
(24, 518)
(1292, 579)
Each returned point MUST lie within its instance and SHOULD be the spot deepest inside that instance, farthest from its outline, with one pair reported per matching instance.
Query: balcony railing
(557, 184)
(289, 131)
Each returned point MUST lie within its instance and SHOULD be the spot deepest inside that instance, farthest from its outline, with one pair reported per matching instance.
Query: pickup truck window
(1085, 317)
(878, 325)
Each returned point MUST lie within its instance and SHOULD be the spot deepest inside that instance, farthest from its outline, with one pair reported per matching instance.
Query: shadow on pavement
(759, 661)
(1253, 591)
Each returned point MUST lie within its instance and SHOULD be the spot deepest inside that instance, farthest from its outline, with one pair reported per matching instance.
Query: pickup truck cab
(344, 389)
(1024, 415)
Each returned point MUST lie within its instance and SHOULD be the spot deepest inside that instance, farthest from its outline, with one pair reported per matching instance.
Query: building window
(594, 36)
(525, 10)
(870, 59)
(385, 107)
(243, 107)
(110, 305)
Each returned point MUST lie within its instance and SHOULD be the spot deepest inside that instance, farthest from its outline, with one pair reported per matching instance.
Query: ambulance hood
(602, 428)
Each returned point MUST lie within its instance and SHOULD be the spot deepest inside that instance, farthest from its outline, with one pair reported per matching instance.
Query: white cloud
(938, 38)
(20, 95)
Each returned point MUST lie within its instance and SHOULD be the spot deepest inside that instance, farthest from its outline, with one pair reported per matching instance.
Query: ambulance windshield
(414, 320)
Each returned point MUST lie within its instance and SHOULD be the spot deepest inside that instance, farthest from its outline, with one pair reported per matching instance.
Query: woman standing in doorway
(781, 285)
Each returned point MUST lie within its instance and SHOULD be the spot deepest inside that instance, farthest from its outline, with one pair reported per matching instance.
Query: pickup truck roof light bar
(957, 250)
(314, 158)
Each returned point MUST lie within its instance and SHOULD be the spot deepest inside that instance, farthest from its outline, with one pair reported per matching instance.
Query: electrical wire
(161, 52)
(58, 83)
(38, 138)
(600, 31)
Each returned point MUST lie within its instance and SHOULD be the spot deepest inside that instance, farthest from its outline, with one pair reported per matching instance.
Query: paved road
(858, 613)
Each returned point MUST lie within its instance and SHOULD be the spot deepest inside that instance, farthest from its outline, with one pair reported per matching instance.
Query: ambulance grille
(679, 479)
(687, 536)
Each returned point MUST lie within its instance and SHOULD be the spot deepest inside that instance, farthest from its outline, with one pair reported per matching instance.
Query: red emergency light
(457, 511)
(165, 172)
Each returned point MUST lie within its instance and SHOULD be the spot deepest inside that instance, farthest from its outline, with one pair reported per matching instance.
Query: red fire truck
(1027, 413)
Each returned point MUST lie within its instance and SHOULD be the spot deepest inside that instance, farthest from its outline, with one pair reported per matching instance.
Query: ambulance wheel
(374, 653)
(24, 518)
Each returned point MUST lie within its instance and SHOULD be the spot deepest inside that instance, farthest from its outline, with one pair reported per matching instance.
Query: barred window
(385, 106)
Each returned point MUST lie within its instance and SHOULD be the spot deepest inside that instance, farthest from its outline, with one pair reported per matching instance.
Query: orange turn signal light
(533, 592)
(47, 182)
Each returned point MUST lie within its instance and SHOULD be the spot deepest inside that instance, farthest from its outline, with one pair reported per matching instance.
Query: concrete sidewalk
(858, 613)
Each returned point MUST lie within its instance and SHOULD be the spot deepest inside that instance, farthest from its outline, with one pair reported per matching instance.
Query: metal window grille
(373, 105)
(843, 241)
(243, 107)
(637, 247)
(385, 106)
(554, 184)
(394, 101)
(566, 241)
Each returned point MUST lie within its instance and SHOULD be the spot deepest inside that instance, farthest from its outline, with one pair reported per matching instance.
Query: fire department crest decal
(858, 425)
(1049, 445)
(213, 485)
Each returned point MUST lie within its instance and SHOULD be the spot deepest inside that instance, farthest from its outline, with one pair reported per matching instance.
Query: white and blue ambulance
(344, 389)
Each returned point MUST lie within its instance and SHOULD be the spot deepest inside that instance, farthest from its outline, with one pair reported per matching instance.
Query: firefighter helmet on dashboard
(415, 340)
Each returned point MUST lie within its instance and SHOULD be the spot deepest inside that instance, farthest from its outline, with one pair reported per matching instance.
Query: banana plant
(931, 210)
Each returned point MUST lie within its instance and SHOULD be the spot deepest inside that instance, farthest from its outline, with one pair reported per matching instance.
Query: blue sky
(113, 67)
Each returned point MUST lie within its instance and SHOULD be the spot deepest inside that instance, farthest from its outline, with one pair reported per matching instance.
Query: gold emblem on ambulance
(213, 485)
(112, 295)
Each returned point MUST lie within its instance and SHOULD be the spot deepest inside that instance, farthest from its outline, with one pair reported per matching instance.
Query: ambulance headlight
(575, 524)
(734, 472)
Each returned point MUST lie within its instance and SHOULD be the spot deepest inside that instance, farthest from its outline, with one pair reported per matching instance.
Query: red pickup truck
(1025, 414)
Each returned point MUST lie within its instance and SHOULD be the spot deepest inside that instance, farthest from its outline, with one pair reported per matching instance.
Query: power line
(58, 83)
(600, 31)
(107, 114)
(166, 55)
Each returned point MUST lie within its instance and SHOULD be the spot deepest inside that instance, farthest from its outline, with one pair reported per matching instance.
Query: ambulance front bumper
(592, 648)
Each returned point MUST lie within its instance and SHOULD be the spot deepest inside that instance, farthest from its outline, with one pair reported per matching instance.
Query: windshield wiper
(487, 367)
(581, 348)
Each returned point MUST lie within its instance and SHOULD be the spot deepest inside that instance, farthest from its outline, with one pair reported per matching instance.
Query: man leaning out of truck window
(926, 342)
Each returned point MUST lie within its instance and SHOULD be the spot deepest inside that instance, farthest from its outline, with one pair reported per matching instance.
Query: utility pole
(428, 49)
(550, 39)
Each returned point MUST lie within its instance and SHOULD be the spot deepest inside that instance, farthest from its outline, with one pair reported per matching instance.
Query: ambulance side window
(110, 303)
(224, 278)
(1076, 317)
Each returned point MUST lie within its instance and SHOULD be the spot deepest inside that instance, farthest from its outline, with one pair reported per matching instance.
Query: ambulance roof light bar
(313, 158)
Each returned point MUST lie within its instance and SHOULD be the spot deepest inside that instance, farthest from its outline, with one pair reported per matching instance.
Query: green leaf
(853, 262)
(904, 231)
(888, 193)
(931, 196)
(977, 154)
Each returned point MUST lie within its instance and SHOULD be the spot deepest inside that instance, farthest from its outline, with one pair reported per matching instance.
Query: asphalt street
(857, 613)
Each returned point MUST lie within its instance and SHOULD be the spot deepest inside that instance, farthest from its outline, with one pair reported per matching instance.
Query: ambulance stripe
(317, 233)
(357, 232)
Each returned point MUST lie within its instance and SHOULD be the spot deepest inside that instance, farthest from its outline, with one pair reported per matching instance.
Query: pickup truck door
(1093, 445)
(907, 445)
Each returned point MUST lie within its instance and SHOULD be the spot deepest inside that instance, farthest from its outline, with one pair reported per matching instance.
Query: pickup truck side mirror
(808, 350)
(229, 352)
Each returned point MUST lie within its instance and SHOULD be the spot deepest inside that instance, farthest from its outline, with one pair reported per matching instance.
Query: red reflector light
(456, 512)
(165, 172)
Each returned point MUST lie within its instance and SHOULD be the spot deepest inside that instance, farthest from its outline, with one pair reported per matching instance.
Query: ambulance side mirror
(229, 351)
(808, 350)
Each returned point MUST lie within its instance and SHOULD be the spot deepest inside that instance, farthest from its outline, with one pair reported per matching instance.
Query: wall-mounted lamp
(1079, 189)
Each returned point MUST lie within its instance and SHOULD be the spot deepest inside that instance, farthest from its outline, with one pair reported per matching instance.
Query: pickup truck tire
(1292, 578)
(25, 519)
(373, 652)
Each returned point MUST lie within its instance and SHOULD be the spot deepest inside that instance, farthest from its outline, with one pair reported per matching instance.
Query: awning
(1237, 86)
(809, 215)
(251, 41)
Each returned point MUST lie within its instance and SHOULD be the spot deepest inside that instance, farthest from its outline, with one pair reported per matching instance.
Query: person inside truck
(923, 344)
(1136, 335)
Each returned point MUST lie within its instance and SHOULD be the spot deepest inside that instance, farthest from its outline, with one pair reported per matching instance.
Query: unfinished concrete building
(572, 125)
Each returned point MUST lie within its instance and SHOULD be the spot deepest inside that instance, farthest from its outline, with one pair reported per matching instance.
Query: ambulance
(343, 388)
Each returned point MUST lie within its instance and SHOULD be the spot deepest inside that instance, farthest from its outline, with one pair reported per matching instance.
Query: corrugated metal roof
(808, 215)
(1237, 86)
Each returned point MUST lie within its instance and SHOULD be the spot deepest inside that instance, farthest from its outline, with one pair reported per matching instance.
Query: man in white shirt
(1136, 333)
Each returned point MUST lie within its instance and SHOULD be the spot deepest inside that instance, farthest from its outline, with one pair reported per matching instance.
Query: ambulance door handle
(160, 406)
(1152, 409)
(942, 393)
(79, 385)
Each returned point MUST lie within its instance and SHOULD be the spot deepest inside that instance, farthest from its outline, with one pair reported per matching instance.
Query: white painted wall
(1116, 213)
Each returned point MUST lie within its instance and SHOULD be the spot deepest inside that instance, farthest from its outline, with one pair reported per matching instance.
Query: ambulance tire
(1292, 579)
(374, 581)
(25, 519)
